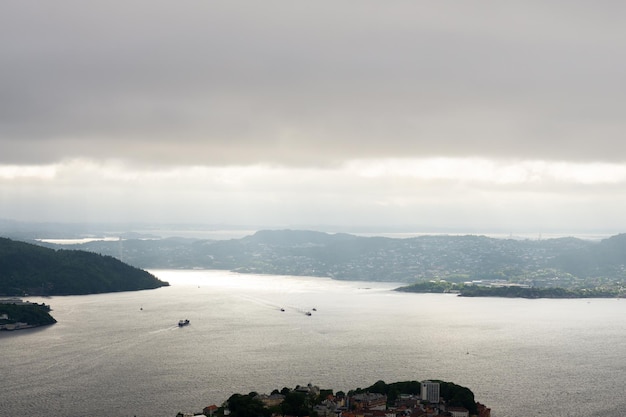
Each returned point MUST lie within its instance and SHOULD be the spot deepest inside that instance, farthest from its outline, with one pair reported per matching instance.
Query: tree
(457, 395)
(246, 406)
(295, 404)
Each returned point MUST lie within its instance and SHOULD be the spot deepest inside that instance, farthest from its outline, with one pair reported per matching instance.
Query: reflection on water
(124, 354)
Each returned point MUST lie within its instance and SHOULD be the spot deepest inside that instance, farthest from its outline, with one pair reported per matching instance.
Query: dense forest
(27, 269)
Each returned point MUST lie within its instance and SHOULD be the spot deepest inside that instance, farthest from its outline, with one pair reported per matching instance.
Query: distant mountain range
(567, 262)
(35, 270)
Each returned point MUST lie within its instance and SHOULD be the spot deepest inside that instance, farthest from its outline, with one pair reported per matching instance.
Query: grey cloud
(293, 83)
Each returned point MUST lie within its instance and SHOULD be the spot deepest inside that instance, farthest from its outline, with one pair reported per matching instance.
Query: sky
(404, 115)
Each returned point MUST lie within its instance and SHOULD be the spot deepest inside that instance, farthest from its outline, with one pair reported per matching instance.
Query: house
(369, 401)
(458, 411)
(271, 400)
(309, 389)
(407, 400)
(209, 410)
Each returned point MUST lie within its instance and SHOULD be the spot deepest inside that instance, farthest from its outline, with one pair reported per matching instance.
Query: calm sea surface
(123, 354)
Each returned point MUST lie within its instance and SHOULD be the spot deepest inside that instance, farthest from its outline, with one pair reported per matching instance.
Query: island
(488, 288)
(407, 399)
(16, 314)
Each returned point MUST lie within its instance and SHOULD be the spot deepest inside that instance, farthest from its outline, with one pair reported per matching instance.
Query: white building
(430, 391)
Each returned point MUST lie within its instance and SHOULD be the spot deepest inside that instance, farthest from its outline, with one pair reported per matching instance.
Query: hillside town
(428, 402)
(540, 263)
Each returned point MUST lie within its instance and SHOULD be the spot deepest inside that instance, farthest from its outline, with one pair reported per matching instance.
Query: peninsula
(16, 314)
(399, 399)
(27, 269)
(497, 288)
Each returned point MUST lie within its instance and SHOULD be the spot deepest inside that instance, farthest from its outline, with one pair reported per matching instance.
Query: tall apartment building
(430, 391)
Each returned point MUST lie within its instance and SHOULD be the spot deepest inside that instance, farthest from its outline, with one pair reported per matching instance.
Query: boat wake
(276, 306)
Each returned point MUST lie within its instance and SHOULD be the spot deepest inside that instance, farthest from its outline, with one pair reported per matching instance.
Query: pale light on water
(123, 354)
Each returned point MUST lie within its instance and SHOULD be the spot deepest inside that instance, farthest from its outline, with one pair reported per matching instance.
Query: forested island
(16, 314)
(509, 291)
(409, 398)
(28, 269)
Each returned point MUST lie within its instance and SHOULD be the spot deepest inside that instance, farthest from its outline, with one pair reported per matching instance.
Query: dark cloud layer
(311, 83)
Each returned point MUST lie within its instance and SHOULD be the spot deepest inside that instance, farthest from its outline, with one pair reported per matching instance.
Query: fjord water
(123, 354)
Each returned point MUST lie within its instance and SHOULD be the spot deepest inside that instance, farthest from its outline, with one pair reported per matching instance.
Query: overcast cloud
(475, 115)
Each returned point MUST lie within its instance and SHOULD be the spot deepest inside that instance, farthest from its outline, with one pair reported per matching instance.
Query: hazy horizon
(392, 115)
(63, 232)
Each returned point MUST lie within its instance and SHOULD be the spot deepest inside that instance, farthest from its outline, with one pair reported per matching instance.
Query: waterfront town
(428, 402)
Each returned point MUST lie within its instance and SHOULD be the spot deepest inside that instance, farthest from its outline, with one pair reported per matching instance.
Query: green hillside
(36, 270)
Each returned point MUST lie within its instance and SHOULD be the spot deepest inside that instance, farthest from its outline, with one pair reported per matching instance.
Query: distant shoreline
(509, 291)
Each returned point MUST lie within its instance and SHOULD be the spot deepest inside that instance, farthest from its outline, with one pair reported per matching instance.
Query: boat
(182, 323)
(308, 313)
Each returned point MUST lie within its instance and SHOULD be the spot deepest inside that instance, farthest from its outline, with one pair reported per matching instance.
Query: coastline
(16, 314)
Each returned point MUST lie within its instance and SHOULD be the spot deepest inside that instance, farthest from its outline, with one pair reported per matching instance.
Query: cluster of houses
(428, 404)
